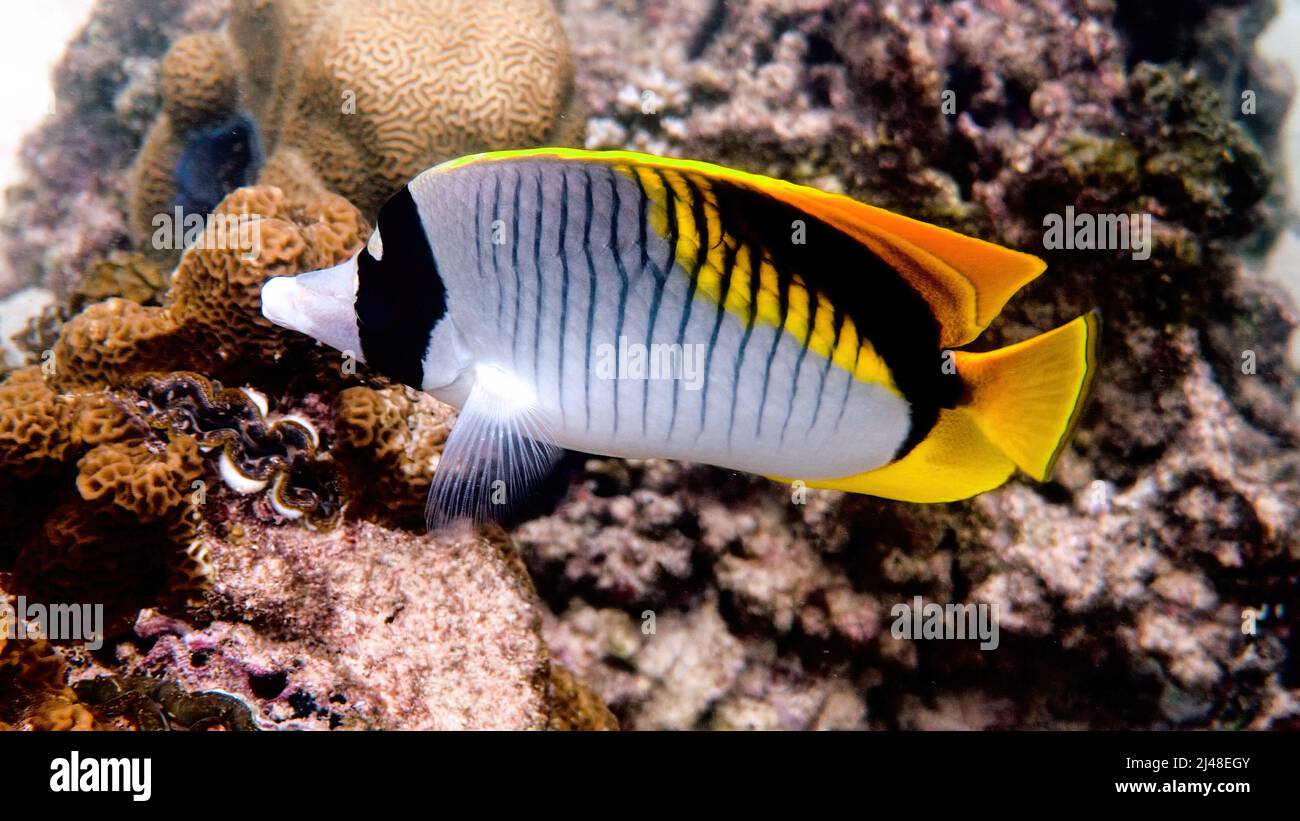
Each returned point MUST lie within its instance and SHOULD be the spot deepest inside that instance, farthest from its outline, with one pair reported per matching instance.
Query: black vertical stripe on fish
(837, 327)
(783, 280)
(588, 214)
(492, 238)
(886, 311)
(755, 282)
(729, 251)
(661, 281)
(514, 263)
(562, 251)
(400, 297)
(478, 226)
(700, 219)
(537, 269)
(848, 385)
(615, 206)
(798, 363)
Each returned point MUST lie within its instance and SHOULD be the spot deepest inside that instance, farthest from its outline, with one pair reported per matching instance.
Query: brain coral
(199, 84)
(428, 81)
(357, 97)
(199, 89)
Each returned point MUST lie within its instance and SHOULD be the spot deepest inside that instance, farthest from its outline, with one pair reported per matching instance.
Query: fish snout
(319, 304)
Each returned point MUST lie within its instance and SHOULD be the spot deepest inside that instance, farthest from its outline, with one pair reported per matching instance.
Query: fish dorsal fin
(965, 280)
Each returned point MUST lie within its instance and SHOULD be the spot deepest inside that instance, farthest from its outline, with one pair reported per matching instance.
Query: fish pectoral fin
(955, 461)
(498, 451)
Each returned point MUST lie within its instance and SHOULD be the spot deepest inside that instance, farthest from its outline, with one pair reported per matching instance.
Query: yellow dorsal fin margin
(966, 280)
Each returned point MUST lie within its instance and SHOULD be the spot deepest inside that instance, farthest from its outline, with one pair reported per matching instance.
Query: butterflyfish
(635, 306)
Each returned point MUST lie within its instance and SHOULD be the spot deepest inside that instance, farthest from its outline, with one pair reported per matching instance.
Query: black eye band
(400, 297)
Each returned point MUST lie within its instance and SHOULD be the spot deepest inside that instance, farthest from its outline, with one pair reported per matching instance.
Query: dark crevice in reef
(713, 23)
(1161, 30)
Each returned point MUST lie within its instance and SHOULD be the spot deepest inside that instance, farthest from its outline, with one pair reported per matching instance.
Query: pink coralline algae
(359, 628)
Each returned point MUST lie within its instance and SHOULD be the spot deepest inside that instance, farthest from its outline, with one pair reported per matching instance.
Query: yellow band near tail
(1024, 402)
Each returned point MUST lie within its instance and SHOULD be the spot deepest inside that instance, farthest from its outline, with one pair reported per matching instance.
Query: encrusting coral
(390, 440)
(357, 98)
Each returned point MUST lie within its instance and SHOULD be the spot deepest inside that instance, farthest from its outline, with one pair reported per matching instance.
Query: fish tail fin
(1026, 398)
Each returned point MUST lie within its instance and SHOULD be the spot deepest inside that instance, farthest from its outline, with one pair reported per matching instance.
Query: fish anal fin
(956, 461)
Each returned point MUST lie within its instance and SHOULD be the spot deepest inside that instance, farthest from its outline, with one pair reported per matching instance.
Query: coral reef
(69, 209)
(271, 531)
(390, 439)
(212, 320)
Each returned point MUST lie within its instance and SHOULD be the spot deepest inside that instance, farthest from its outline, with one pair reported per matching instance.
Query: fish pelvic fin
(499, 449)
(1023, 403)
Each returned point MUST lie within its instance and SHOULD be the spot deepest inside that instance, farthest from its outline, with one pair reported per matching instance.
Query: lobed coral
(34, 423)
(261, 233)
(212, 320)
(108, 451)
(125, 525)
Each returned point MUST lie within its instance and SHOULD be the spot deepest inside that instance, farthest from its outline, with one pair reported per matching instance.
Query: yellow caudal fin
(965, 280)
(1026, 398)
